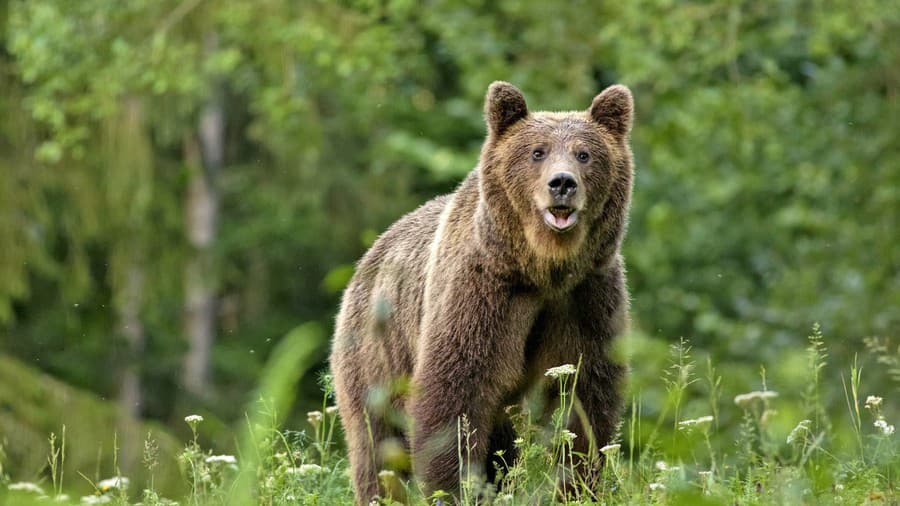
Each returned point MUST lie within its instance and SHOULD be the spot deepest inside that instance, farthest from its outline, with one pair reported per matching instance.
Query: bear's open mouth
(560, 218)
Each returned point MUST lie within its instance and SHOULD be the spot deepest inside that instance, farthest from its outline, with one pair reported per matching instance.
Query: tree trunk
(130, 154)
(203, 156)
(199, 285)
(133, 153)
(131, 327)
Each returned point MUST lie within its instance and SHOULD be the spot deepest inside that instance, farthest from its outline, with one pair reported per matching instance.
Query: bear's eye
(538, 154)
(582, 156)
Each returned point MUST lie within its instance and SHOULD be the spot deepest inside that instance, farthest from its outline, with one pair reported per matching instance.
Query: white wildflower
(221, 459)
(193, 419)
(882, 425)
(657, 486)
(560, 370)
(744, 400)
(314, 417)
(567, 436)
(95, 499)
(688, 425)
(838, 487)
(798, 431)
(26, 486)
(705, 474)
(518, 441)
(116, 482)
(309, 469)
(661, 466)
(331, 410)
(873, 401)
(610, 449)
(385, 474)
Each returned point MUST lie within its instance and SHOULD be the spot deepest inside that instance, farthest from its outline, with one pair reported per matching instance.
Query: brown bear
(475, 294)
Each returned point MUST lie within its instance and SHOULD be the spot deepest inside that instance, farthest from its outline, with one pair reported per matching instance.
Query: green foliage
(292, 357)
(84, 433)
(749, 163)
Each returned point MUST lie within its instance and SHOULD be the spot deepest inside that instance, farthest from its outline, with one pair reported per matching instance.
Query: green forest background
(183, 182)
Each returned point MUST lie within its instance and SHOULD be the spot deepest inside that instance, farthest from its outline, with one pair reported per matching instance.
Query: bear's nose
(562, 185)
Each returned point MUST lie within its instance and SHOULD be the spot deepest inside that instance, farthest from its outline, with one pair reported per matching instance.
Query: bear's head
(565, 176)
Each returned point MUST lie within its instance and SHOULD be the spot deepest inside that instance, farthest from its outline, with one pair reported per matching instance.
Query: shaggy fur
(473, 296)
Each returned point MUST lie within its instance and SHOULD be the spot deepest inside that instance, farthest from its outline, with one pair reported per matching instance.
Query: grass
(758, 447)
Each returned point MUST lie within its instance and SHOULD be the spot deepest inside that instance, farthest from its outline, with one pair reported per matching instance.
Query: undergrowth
(674, 460)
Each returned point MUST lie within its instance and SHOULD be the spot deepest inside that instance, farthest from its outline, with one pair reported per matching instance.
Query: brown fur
(473, 296)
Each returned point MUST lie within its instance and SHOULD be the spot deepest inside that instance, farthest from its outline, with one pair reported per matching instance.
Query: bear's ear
(613, 108)
(504, 105)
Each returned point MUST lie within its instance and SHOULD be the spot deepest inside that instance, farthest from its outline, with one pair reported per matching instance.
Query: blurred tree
(204, 164)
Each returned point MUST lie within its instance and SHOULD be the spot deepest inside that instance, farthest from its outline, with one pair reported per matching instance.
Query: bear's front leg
(470, 356)
(601, 318)
(599, 393)
(597, 315)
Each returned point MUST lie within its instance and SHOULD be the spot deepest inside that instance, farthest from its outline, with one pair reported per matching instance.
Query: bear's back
(382, 306)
